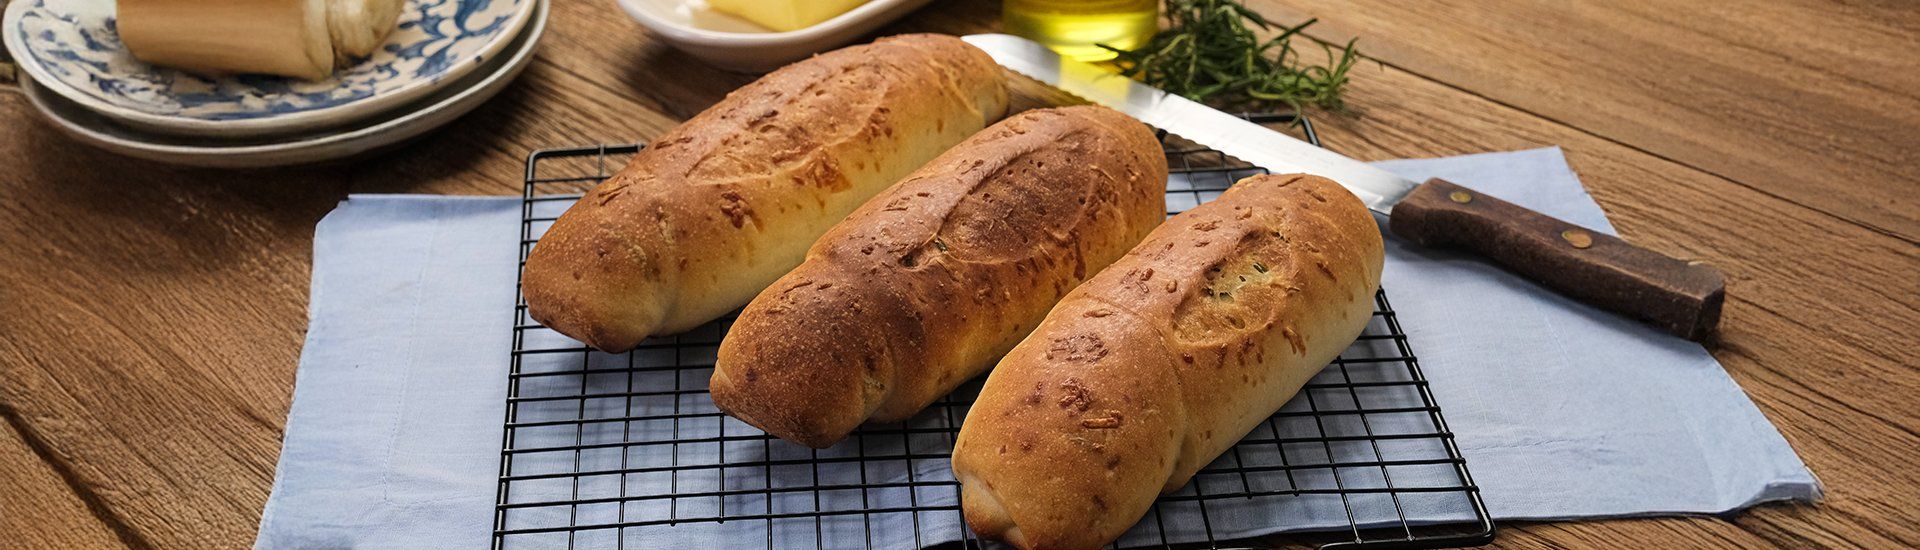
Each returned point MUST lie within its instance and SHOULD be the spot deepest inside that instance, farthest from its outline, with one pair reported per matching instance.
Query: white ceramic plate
(408, 122)
(70, 47)
(732, 43)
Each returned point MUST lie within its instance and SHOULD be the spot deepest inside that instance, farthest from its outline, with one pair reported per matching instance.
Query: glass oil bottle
(1073, 27)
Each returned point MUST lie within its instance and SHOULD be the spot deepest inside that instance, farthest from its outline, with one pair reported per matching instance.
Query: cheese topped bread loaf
(713, 211)
(931, 282)
(1157, 365)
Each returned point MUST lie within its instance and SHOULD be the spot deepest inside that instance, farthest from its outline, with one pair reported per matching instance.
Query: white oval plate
(735, 44)
(70, 47)
(410, 122)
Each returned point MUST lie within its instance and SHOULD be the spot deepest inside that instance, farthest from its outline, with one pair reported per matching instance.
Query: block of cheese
(297, 38)
(785, 15)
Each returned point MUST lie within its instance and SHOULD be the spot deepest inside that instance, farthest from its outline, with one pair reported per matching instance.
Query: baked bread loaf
(930, 283)
(710, 213)
(1157, 365)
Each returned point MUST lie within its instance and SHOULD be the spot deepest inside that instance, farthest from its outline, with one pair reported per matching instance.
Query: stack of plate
(446, 58)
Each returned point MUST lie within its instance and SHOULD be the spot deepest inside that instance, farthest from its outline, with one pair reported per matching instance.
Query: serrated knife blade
(1681, 297)
(1274, 151)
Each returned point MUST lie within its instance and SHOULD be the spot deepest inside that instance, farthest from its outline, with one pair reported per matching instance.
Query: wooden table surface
(151, 316)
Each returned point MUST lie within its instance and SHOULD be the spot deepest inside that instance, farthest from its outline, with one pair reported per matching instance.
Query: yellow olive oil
(1073, 27)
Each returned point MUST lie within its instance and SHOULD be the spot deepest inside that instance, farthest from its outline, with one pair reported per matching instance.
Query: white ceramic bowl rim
(708, 36)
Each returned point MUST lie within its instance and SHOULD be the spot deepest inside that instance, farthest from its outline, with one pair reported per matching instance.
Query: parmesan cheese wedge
(297, 38)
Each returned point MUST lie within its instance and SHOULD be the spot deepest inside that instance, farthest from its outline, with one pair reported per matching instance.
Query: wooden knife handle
(1679, 296)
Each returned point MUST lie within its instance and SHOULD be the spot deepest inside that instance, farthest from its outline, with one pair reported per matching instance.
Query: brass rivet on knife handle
(1579, 238)
(1678, 296)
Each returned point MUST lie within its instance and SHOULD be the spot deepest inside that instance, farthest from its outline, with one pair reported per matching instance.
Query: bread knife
(1681, 297)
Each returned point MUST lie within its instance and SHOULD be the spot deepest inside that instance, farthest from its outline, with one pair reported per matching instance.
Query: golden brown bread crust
(931, 282)
(710, 213)
(1154, 367)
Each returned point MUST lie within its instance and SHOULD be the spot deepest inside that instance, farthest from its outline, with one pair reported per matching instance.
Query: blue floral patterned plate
(70, 47)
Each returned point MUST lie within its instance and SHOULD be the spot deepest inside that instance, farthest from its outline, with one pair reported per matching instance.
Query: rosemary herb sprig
(1208, 53)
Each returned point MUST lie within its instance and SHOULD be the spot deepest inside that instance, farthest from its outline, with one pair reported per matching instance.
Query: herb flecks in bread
(1203, 331)
(715, 210)
(932, 281)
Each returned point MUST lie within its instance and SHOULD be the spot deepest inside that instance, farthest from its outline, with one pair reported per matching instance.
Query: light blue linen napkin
(1562, 412)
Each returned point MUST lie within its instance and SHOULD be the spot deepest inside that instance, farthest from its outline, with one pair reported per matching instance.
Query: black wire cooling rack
(607, 450)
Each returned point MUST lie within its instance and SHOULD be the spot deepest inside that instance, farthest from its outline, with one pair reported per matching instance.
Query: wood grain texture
(151, 317)
(1774, 94)
(41, 500)
(1817, 314)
